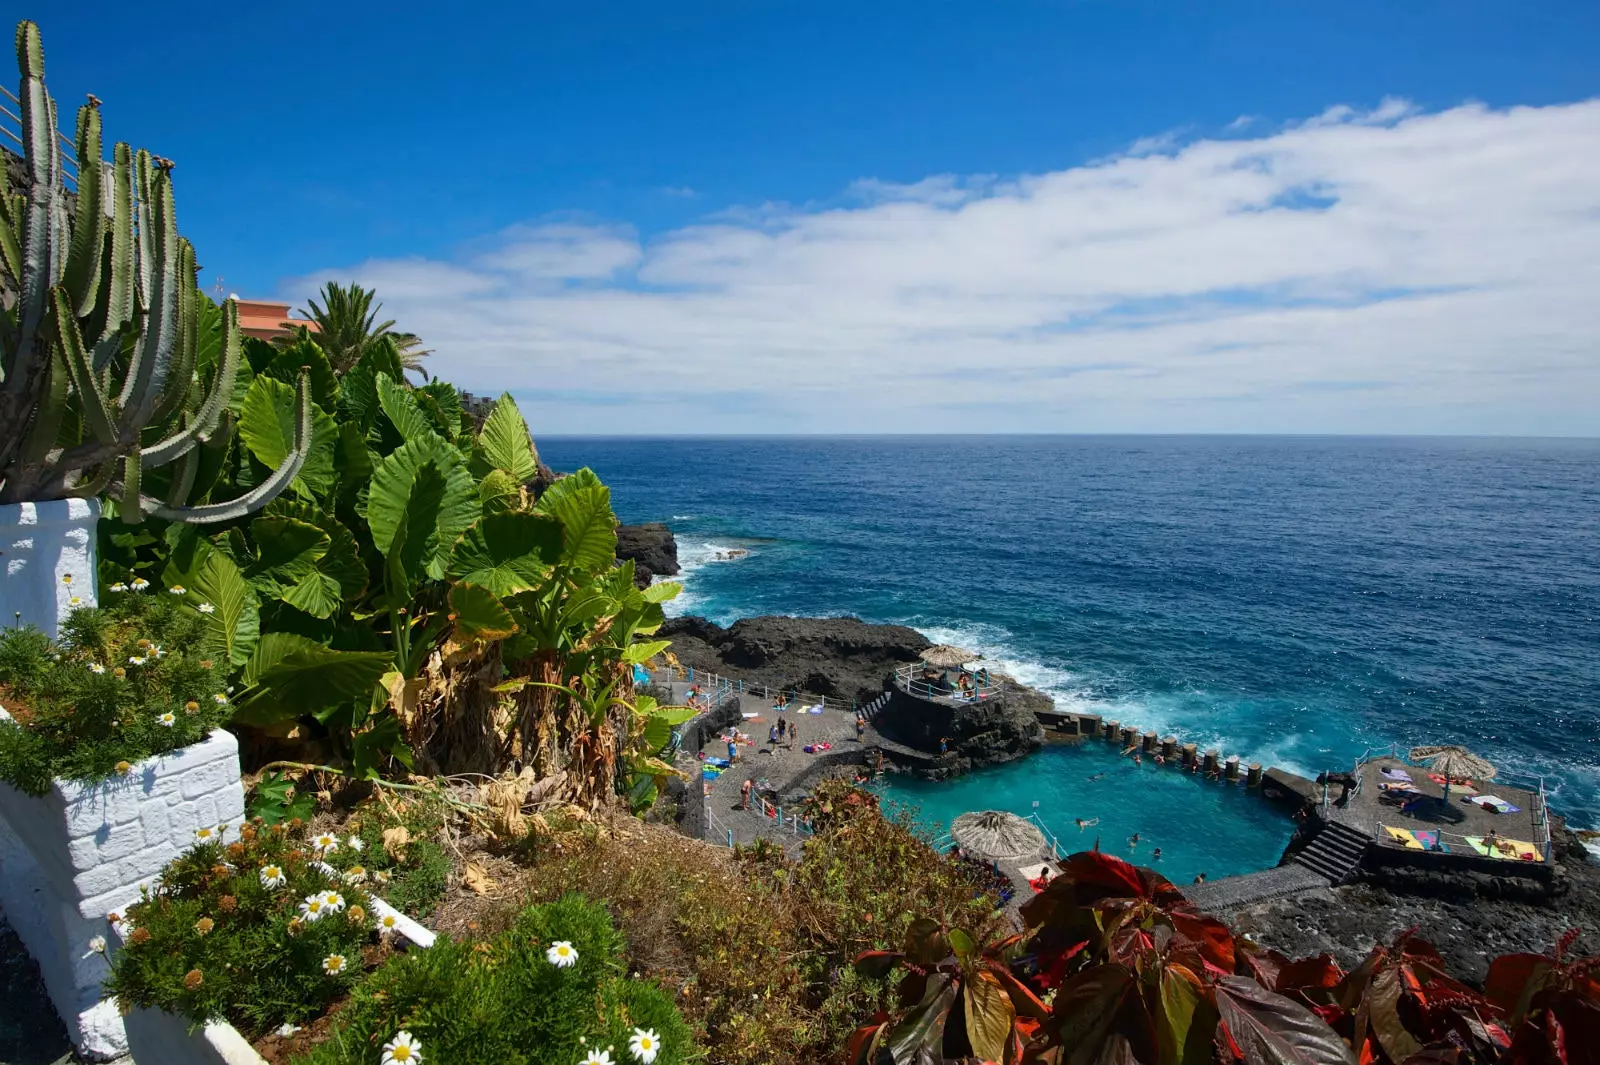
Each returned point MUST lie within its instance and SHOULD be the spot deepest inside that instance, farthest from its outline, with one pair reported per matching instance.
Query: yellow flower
(204, 925)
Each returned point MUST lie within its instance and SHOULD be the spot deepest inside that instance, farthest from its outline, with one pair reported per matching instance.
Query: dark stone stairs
(1335, 854)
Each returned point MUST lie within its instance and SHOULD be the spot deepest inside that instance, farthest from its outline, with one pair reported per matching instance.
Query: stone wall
(71, 856)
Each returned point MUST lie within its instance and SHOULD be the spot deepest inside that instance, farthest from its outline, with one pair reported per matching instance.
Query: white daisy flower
(76, 600)
(355, 843)
(333, 964)
(326, 842)
(139, 584)
(96, 668)
(206, 608)
(66, 578)
(207, 835)
(561, 954)
(311, 908)
(97, 945)
(388, 924)
(159, 652)
(119, 587)
(381, 876)
(177, 589)
(168, 719)
(272, 876)
(220, 699)
(325, 869)
(137, 660)
(403, 1049)
(596, 1057)
(645, 1045)
(355, 874)
(333, 901)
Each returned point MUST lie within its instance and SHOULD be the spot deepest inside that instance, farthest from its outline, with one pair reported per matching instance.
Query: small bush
(503, 1000)
(223, 934)
(124, 683)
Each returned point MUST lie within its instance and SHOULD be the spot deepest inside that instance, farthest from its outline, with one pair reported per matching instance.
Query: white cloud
(1379, 271)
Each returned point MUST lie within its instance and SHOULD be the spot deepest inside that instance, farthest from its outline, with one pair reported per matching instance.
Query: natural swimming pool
(1200, 826)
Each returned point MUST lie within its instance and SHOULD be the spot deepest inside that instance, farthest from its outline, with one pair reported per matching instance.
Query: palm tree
(347, 321)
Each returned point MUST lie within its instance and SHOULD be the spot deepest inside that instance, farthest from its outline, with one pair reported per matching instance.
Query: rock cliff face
(849, 659)
(651, 547)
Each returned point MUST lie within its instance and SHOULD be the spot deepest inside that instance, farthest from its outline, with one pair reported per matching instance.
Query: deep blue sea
(1292, 599)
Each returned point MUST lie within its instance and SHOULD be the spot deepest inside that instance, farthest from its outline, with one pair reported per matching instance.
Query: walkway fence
(709, 682)
(909, 680)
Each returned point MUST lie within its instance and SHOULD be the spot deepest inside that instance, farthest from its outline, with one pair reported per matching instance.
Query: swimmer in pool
(1133, 840)
(1097, 776)
(1082, 824)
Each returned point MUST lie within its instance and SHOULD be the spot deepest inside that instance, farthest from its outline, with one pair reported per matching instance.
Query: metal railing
(909, 680)
(11, 130)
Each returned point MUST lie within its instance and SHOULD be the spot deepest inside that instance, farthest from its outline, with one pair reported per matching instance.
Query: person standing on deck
(772, 738)
(861, 728)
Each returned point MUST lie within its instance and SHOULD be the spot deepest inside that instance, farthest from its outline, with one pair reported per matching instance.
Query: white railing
(908, 679)
(11, 129)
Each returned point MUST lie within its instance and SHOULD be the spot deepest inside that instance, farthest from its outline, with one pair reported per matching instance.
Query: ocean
(1295, 600)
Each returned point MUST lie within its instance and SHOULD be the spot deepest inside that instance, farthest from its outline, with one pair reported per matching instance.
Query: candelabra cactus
(101, 375)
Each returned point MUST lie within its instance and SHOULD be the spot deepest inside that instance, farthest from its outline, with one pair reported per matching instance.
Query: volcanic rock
(651, 547)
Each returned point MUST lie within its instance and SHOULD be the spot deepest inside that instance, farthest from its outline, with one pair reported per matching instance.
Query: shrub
(122, 684)
(504, 1000)
(221, 936)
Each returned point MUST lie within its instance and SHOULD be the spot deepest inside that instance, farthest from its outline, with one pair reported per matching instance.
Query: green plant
(126, 681)
(506, 1000)
(115, 373)
(257, 932)
(347, 324)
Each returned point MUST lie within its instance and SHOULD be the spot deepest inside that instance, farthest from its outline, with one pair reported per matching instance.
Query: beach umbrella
(1451, 761)
(945, 656)
(995, 834)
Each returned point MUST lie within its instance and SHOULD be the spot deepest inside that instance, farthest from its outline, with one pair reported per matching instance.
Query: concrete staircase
(1335, 854)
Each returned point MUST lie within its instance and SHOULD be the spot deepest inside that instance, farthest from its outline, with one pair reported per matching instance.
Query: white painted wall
(40, 543)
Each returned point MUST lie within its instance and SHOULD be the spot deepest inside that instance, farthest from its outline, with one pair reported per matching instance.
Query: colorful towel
(1395, 774)
(1403, 837)
(1429, 839)
(1512, 850)
(1495, 803)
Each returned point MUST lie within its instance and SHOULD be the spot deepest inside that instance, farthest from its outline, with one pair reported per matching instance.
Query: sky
(933, 217)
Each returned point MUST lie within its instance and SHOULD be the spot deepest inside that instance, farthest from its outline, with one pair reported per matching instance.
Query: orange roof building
(264, 319)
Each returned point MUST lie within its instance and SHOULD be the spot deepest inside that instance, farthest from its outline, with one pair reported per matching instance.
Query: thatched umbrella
(995, 834)
(1451, 761)
(944, 656)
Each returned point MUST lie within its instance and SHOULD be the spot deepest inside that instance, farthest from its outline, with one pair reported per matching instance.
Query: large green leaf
(233, 626)
(507, 553)
(643, 652)
(286, 364)
(989, 1015)
(289, 676)
(447, 402)
(1182, 1040)
(435, 507)
(583, 506)
(402, 410)
(662, 592)
(339, 576)
(504, 442)
(287, 552)
(267, 428)
(479, 614)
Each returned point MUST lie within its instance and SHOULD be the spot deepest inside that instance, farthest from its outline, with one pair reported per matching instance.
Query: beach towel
(720, 763)
(1395, 774)
(1401, 788)
(1512, 850)
(810, 748)
(751, 717)
(1458, 784)
(710, 772)
(1493, 802)
(1403, 837)
(1429, 839)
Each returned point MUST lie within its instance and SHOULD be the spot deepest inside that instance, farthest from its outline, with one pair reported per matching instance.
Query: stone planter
(40, 543)
(160, 1037)
(74, 854)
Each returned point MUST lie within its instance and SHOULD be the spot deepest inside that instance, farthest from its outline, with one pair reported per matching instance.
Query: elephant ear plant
(113, 366)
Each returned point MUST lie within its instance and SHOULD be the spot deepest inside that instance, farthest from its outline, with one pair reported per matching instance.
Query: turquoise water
(1294, 600)
(1200, 826)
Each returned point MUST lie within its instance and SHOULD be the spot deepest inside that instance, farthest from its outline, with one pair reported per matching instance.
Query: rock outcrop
(651, 547)
(850, 659)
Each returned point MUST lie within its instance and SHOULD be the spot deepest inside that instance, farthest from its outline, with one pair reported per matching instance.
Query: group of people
(784, 731)
(966, 683)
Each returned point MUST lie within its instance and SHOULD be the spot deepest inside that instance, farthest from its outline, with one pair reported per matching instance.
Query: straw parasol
(944, 656)
(995, 834)
(1451, 761)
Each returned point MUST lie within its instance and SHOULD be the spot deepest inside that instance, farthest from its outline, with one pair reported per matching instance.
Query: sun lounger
(1403, 837)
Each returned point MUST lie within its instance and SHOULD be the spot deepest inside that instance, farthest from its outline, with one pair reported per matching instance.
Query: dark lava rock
(1470, 917)
(651, 547)
(849, 659)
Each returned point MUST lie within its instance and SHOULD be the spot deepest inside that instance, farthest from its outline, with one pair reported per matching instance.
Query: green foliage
(503, 1000)
(126, 681)
(118, 373)
(276, 799)
(348, 328)
(219, 938)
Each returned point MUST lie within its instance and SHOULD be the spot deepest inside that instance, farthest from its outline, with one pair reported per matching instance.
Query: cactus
(99, 382)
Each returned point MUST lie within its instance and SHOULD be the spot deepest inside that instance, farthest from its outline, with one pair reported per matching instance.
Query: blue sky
(619, 210)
